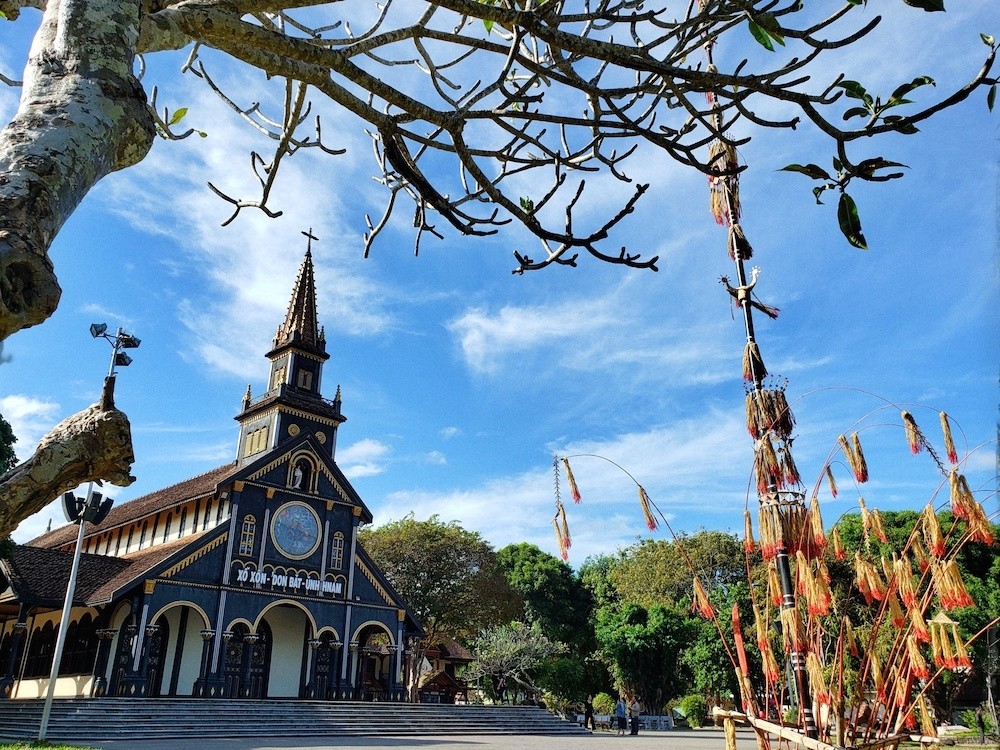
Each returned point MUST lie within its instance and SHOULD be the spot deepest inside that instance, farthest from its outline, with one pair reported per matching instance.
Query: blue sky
(460, 380)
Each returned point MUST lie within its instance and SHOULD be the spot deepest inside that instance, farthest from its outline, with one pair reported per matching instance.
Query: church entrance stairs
(109, 719)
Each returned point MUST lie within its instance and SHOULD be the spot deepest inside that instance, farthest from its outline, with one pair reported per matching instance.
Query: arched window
(166, 528)
(80, 649)
(184, 518)
(142, 534)
(247, 535)
(337, 552)
(40, 650)
(131, 533)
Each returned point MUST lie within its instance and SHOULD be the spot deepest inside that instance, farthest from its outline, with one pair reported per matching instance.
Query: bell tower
(293, 402)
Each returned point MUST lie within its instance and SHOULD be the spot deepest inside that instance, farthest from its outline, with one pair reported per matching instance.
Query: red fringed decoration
(877, 526)
(748, 543)
(768, 533)
(955, 594)
(868, 580)
(904, 581)
(919, 554)
(866, 519)
(838, 545)
(563, 552)
(723, 188)
(860, 466)
(789, 471)
(833, 482)
(760, 627)
(644, 502)
(876, 670)
(932, 531)
(816, 522)
(739, 247)
(803, 574)
(964, 505)
(701, 604)
(851, 642)
(914, 437)
(816, 679)
(753, 364)
(771, 671)
(766, 467)
(895, 612)
(926, 722)
(791, 630)
(855, 458)
(949, 443)
(962, 660)
(918, 665)
(918, 626)
(567, 541)
(774, 586)
(572, 481)
(820, 598)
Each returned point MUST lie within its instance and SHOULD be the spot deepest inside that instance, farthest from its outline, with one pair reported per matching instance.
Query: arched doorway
(248, 661)
(325, 672)
(291, 627)
(155, 646)
(375, 652)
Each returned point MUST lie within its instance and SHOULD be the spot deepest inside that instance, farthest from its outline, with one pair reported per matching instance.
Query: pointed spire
(301, 324)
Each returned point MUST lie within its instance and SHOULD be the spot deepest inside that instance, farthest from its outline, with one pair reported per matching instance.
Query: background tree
(448, 576)
(507, 658)
(8, 459)
(656, 572)
(643, 648)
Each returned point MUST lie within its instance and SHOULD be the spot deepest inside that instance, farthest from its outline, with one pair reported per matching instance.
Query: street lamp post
(91, 509)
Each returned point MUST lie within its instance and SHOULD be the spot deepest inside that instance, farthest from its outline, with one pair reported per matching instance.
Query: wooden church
(244, 582)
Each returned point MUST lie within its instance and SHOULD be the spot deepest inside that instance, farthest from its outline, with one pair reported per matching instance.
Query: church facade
(246, 581)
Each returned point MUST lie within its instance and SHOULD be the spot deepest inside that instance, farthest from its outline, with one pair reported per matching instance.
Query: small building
(439, 680)
(245, 581)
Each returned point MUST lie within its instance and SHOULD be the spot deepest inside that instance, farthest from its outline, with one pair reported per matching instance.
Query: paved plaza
(678, 739)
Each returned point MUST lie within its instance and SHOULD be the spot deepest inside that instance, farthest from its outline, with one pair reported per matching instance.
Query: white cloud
(451, 432)
(436, 457)
(364, 458)
(30, 418)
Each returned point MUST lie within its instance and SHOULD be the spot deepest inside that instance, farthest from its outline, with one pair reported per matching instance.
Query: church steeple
(301, 326)
(293, 402)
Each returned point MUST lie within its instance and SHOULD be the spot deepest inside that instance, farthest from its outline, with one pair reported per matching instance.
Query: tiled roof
(40, 575)
(141, 507)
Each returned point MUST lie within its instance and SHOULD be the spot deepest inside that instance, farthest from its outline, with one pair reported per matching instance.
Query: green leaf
(906, 129)
(527, 204)
(762, 37)
(856, 91)
(770, 24)
(810, 170)
(928, 5)
(488, 24)
(3, 15)
(850, 224)
(817, 192)
(868, 166)
(987, 39)
(178, 116)
(202, 133)
(856, 112)
(838, 165)
(991, 96)
(906, 88)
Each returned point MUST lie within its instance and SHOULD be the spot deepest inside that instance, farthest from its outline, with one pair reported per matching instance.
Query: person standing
(981, 725)
(620, 715)
(633, 712)
(588, 714)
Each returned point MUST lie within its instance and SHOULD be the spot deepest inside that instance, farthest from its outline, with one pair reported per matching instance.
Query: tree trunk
(82, 115)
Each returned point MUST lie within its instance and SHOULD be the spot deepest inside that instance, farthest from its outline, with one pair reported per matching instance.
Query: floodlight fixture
(120, 340)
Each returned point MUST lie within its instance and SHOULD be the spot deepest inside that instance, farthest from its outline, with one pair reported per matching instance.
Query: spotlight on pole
(121, 340)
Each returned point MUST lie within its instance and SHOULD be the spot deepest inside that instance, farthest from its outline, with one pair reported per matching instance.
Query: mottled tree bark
(82, 115)
(95, 444)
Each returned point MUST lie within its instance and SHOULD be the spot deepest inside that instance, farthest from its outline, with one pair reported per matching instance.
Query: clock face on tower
(295, 530)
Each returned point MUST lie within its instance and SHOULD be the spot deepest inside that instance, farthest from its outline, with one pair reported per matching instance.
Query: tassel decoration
(932, 531)
(903, 574)
(816, 679)
(748, 542)
(965, 506)
(789, 471)
(791, 630)
(771, 671)
(644, 502)
(739, 247)
(816, 522)
(760, 627)
(753, 365)
(914, 437)
(572, 481)
(878, 527)
(926, 722)
(701, 604)
(860, 466)
(832, 481)
(919, 554)
(895, 612)
(567, 541)
(766, 467)
(563, 552)
(877, 679)
(838, 545)
(774, 585)
(724, 191)
(949, 443)
(918, 626)
(768, 532)
(962, 660)
(849, 638)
